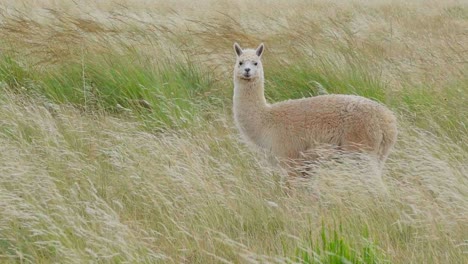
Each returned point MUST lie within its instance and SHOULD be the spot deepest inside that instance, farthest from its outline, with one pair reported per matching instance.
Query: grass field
(117, 142)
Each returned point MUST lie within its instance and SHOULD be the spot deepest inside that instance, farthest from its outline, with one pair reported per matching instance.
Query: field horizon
(117, 142)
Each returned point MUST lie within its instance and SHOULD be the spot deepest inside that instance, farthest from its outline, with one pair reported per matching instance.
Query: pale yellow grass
(421, 43)
(77, 188)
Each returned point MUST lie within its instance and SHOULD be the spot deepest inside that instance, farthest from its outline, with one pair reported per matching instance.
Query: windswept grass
(114, 83)
(117, 143)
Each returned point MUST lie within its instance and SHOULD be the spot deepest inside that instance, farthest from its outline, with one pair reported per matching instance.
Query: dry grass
(88, 175)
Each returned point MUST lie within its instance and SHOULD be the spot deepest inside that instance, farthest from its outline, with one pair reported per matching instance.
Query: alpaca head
(248, 64)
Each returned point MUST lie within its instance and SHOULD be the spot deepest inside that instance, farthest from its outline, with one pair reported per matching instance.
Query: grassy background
(117, 142)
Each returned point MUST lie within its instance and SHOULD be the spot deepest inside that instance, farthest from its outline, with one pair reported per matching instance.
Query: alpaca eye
(240, 63)
(256, 63)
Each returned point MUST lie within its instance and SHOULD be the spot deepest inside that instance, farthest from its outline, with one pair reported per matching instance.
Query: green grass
(304, 78)
(443, 111)
(331, 247)
(169, 94)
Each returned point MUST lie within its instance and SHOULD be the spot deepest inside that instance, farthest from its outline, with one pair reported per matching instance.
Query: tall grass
(117, 142)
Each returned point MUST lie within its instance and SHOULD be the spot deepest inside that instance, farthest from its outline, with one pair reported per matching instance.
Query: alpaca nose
(247, 70)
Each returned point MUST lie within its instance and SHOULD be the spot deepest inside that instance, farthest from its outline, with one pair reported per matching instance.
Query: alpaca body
(346, 122)
(292, 128)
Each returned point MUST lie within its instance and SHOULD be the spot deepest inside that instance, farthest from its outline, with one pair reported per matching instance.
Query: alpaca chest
(253, 130)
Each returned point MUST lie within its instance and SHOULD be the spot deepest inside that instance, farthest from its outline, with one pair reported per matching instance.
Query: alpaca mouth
(246, 76)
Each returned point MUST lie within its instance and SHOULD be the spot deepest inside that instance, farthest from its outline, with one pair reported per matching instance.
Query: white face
(248, 68)
(248, 64)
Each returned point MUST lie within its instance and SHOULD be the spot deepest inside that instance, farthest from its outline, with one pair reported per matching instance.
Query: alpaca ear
(238, 49)
(259, 50)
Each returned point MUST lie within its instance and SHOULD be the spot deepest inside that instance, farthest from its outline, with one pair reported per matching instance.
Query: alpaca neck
(249, 97)
(250, 108)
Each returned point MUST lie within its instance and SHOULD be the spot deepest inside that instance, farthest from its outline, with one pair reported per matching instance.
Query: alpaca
(291, 130)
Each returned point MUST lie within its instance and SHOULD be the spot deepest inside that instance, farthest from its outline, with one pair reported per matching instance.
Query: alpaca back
(350, 123)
